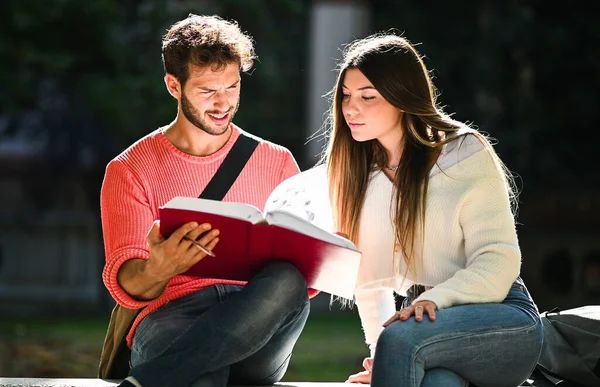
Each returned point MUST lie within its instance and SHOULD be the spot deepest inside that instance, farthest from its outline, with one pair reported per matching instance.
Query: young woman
(428, 202)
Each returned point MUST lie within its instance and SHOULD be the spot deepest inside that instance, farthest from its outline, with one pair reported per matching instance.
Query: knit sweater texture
(470, 252)
(150, 173)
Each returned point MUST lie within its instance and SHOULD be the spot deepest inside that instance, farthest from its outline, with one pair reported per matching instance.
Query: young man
(197, 331)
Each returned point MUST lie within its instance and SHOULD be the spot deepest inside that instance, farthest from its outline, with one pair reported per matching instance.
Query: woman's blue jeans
(224, 333)
(496, 344)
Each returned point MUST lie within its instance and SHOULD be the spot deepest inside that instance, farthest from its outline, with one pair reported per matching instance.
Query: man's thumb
(154, 233)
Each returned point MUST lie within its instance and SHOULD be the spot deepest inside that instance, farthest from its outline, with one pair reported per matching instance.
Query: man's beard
(195, 117)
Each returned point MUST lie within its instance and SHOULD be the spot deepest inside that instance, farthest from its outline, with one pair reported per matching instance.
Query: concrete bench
(50, 382)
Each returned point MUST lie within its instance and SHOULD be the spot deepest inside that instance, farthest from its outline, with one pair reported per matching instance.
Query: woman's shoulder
(466, 155)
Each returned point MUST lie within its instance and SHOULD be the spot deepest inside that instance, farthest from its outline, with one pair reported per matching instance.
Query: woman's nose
(349, 109)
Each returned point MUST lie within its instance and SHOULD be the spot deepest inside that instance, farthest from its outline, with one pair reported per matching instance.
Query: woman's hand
(363, 377)
(417, 310)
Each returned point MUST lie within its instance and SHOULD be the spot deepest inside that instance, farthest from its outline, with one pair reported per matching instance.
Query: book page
(301, 203)
(305, 195)
(292, 222)
(241, 211)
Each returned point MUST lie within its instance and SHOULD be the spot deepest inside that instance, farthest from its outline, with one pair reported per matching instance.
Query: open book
(249, 239)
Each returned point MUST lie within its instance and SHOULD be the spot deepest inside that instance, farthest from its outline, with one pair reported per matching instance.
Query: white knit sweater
(470, 252)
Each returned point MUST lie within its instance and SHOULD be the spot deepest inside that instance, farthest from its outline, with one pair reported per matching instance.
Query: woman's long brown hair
(397, 71)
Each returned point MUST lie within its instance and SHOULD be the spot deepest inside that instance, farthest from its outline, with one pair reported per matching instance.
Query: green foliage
(330, 348)
(102, 58)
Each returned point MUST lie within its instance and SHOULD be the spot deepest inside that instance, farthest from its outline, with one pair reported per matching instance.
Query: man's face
(210, 99)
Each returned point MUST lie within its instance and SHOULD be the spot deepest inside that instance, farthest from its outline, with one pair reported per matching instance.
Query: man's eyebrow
(209, 89)
(362, 88)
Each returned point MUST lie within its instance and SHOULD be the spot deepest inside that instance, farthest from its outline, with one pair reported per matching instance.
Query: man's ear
(173, 86)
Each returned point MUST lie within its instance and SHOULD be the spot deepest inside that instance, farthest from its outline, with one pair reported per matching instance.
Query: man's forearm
(134, 280)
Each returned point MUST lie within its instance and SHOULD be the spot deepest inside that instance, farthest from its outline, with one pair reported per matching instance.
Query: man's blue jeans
(484, 344)
(224, 333)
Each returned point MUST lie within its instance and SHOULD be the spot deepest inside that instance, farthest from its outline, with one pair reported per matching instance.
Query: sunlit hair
(397, 71)
(205, 41)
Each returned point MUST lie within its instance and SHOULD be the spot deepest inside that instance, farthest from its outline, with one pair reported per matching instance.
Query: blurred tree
(49, 53)
(85, 78)
(522, 71)
(273, 97)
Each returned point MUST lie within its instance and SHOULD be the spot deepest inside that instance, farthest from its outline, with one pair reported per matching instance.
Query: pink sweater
(149, 174)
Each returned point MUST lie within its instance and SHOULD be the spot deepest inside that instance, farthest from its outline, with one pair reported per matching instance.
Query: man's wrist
(150, 274)
(137, 281)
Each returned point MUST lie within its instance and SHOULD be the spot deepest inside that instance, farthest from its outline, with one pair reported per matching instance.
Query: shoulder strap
(231, 168)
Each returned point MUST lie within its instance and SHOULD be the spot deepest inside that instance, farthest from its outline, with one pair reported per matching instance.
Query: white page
(290, 221)
(241, 211)
(302, 203)
(305, 195)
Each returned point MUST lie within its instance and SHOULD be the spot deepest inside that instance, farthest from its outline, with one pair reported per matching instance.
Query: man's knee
(288, 282)
(285, 271)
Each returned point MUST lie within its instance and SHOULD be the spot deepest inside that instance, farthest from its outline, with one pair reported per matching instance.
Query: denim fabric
(224, 334)
(496, 344)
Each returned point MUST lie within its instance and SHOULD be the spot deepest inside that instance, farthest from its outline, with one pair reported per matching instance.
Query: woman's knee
(396, 338)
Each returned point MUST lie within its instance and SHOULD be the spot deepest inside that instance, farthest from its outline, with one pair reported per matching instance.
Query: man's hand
(175, 255)
(146, 279)
(363, 377)
(417, 310)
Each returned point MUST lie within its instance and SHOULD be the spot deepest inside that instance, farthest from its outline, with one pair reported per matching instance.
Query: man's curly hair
(205, 41)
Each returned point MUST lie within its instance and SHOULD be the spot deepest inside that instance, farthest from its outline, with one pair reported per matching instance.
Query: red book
(249, 239)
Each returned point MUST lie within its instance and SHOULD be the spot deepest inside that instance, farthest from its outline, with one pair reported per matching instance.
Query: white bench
(82, 382)
(51, 382)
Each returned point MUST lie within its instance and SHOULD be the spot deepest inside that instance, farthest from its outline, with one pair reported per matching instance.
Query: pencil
(204, 249)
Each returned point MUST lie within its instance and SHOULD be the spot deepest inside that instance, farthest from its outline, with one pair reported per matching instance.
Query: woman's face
(368, 115)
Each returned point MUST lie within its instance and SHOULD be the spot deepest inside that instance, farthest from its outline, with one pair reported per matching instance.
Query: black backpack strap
(231, 168)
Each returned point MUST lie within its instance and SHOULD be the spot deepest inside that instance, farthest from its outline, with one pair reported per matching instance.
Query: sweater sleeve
(375, 306)
(290, 166)
(126, 219)
(493, 257)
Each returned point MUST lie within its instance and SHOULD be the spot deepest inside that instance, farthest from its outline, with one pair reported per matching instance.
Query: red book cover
(249, 239)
